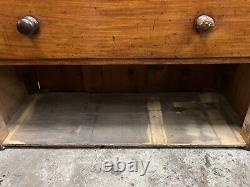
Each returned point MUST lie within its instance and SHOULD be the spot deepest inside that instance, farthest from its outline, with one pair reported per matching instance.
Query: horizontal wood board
(126, 78)
(125, 29)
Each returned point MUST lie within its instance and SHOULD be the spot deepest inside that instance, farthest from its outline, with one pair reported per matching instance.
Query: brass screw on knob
(28, 25)
(204, 24)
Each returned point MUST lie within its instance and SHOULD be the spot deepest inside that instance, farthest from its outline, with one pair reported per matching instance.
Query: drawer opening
(124, 105)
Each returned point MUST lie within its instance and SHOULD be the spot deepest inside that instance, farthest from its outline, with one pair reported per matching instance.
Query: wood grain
(125, 29)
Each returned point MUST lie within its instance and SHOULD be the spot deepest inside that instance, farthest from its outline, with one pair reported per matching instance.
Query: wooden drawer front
(125, 29)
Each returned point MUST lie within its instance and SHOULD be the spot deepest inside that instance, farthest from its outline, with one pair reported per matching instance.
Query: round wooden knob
(204, 24)
(28, 25)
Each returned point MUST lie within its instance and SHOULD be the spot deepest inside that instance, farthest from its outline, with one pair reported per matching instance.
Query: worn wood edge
(121, 61)
(130, 146)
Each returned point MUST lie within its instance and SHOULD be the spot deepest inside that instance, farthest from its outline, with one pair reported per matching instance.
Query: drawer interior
(124, 105)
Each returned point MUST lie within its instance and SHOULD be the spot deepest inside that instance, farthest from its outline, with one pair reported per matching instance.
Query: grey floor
(84, 167)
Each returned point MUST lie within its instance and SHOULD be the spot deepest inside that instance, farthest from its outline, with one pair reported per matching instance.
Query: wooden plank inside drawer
(125, 29)
(124, 120)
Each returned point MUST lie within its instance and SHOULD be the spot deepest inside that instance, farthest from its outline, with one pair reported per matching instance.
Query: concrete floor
(84, 167)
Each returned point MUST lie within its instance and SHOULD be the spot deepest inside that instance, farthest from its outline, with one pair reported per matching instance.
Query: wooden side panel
(12, 92)
(128, 78)
(238, 89)
(238, 92)
(246, 129)
(3, 130)
(125, 29)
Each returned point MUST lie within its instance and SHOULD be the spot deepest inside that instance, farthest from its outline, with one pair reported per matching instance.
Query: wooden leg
(246, 130)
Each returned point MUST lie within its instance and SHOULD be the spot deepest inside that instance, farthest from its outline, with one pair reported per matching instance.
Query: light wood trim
(120, 61)
(125, 29)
